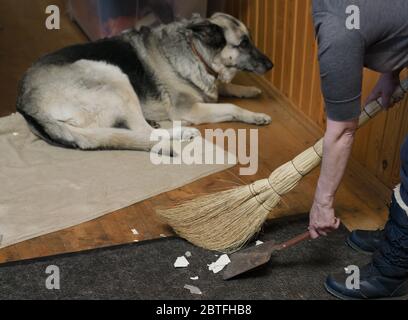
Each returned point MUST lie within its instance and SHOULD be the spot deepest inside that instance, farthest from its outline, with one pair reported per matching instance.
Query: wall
(284, 30)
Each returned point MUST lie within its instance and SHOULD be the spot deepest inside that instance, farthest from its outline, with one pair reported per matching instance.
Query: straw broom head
(227, 220)
(220, 221)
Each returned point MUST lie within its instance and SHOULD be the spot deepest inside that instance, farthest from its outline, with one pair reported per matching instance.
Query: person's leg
(387, 275)
(392, 257)
(404, 172)
(368, 242)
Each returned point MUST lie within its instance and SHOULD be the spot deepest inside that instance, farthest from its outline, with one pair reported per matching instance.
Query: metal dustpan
(254, 257)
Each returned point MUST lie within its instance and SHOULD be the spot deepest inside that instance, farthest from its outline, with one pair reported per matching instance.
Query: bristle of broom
(287, 176)
(219, 221)
(226, 221)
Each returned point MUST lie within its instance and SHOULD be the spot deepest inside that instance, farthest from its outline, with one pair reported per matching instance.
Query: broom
(227, 220)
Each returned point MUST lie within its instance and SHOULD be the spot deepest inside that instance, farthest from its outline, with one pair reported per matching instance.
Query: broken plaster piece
(194, 278)
(181, 262)
(220, 264)
(258, 243)
(188, 254)
(193, 289)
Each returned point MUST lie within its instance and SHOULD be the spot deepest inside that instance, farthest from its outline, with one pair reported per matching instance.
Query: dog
(109, 94)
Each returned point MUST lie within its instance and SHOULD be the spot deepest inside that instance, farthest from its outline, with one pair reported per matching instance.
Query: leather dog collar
(209, 69)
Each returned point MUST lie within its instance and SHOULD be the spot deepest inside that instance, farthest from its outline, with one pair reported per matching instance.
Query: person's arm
(341, 59)
(338, 142)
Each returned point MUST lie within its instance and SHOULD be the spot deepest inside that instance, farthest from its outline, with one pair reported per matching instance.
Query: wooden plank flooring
(361, 201)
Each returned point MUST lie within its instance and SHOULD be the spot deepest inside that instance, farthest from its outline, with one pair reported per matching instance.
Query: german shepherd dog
(108, 94)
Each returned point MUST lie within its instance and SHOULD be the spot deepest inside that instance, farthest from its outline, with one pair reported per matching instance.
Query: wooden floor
(361, 200)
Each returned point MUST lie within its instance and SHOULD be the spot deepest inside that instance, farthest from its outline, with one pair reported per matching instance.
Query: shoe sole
(343, 297)
(355, 247)
(338, 295)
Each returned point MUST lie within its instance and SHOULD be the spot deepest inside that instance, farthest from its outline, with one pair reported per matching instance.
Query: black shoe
(365, 241)
(373, 285)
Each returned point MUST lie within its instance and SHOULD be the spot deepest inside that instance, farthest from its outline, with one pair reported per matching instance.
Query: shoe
(366, 242)
(372, 285)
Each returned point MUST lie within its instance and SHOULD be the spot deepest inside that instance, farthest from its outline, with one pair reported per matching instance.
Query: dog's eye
(244, 44)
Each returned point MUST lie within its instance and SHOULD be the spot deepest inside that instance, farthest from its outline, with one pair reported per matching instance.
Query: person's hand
(322, 220)
(384, 89)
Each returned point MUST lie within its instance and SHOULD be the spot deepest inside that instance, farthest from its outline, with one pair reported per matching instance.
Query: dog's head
(230, 41)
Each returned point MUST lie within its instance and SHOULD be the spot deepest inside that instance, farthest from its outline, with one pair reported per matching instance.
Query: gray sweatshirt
(381, 44)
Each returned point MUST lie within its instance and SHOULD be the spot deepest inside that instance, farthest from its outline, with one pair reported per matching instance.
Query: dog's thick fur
(103, 94)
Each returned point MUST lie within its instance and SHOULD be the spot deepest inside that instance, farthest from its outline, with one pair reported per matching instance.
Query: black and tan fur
(104, 94)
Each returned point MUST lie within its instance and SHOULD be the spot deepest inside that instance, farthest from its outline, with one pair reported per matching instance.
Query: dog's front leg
(238, 91)
(223, 112)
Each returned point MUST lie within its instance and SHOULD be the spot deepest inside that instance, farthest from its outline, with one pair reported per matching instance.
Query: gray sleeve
(341, 58)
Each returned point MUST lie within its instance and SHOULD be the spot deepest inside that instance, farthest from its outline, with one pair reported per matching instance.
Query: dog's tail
(25, 104)
(39, 130)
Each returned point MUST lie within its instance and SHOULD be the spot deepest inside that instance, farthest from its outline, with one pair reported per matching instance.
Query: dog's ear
(209, 33)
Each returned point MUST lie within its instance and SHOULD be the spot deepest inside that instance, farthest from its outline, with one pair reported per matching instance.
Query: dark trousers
(392, 258)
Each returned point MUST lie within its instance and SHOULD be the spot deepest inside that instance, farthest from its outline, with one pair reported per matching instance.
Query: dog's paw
(154, 124)
(185, 133)
(189, 134)
(261, 119)
(251, 92)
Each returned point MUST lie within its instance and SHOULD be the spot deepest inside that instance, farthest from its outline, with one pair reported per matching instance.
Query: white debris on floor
(193, 289)
(194, 278)
(135, 232)
(220, 264)
(259, 242)
(181, 262)
(188, 254)
(162, 235)
(15, 134)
